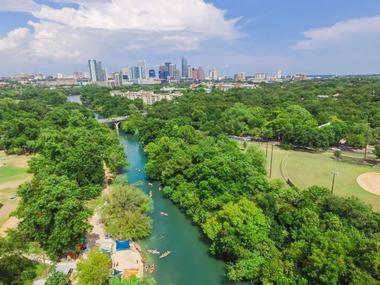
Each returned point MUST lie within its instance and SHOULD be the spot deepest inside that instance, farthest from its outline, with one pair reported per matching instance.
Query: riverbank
(129, 261)
(189, 261)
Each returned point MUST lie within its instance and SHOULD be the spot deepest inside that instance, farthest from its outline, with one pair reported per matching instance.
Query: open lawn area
(305, 169)
(13, 173)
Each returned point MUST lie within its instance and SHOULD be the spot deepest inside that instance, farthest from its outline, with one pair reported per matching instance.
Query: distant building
(167, 70)
(228, 86)
(152, 73)
(261, 76)
(142, 65)
(194, 73)
(92, 70)
(78, 75)
(126, 75)
(97, 73)
(239, 77)
(161, 72)
(115, 80)
(148, 97)
(172, 70)
(184, 66)
(189, 71)
(136, 73)
(279, 74)
(201, 74)
(176, 75)
(299, 77)
(213, 76)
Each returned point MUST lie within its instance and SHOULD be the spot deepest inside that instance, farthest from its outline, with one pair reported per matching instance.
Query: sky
(296, 36)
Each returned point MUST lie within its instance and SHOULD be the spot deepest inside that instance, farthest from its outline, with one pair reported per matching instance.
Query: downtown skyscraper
(184, 68)
(97, 73)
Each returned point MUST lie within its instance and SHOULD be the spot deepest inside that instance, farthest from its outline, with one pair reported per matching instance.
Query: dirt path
(121, 260)
(11, 223)
(370, 182)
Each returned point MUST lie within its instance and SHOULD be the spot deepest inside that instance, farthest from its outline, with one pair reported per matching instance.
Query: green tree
(16, 270)
(376, 151)
(126, 211)
(52, 214)
(132, 281)
(93, 269)
(57, 278)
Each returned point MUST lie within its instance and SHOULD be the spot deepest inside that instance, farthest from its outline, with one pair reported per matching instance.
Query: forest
(69, 149)
(265, 232)
(313, 114)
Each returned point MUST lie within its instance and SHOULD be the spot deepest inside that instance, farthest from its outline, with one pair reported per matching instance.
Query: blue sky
(314, 37)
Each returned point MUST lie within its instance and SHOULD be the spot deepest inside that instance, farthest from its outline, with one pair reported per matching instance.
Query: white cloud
(18, 5)
(342, 33)
(103, 27)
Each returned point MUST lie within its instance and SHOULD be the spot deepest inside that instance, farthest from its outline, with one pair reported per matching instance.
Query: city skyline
(52, 36)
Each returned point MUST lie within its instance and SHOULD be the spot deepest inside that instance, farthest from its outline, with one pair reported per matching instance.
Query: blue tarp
(122, 245)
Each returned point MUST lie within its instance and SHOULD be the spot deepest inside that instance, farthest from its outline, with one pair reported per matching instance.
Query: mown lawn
(306, 169)
(8, 173)
(13, 173)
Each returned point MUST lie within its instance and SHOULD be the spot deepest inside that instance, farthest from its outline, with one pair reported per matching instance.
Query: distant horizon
(307, 37)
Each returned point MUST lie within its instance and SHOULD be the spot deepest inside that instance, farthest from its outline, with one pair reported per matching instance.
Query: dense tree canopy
(94, 269)
(101, 101)
(266, 233)
(125, 212)
(294, 113)
(70, 149)
(52, 213)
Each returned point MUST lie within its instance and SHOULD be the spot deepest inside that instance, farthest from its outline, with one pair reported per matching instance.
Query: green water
(189, 262)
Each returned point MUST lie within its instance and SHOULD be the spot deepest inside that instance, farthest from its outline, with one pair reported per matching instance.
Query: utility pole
(271, 162)
(333, 182)
(266, 150)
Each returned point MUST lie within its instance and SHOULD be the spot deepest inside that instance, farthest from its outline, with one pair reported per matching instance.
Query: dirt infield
(370, 182)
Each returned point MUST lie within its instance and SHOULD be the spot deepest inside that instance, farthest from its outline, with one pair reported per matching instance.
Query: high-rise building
(92, 70)
(185, 70)
(161, 72)
(213, 74)
(100, 73)
(176, 75)
(201, 74)
(167, 70)
(142, 65)
(189, 71)
(97, 73)
(194, 73)
(261, 76)
(172, 69)
(239, 77)
(279, 74)
(126, 74)
(152, 73)
(115, 80)
(136, 73)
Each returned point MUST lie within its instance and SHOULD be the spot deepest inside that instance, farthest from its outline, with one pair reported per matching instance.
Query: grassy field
(305, 169)
(13, 172)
